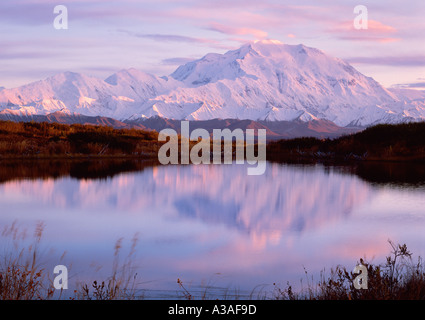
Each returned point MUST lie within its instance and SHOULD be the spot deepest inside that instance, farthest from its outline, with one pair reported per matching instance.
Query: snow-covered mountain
(120, 95)
(263, 80)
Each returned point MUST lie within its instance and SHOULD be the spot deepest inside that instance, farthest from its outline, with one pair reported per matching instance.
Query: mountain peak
(66, 75)
(268, 41)
(261, 45)
(129, 75)
(213, 66)
(268, 48)
(248, 61)
(69, 79)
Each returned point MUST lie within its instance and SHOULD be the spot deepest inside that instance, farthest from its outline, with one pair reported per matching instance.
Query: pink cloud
(371, 39)
(256, 33)
(373, 26)
(376, 31)
(378, 27)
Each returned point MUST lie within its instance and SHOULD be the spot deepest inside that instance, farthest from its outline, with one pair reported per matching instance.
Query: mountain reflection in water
(195, 221)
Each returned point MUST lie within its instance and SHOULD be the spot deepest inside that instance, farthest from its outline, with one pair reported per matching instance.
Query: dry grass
(34, 139)
(385, 142)
(22, 277)
(121, 285)
(399, 278)
(43, 140)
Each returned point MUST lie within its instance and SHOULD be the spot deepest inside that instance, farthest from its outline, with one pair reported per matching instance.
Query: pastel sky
(156, 36)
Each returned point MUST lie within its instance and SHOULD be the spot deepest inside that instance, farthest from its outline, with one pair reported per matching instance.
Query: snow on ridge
(261, 80)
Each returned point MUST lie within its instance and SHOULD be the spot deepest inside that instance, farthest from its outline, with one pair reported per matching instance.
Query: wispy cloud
(176, 61)
(414, 85)
(229, 30)
(376, 31)
(373, 27)
(29, 14)
(370, 39)
(167, 29)
(166, 37)
(403, 61)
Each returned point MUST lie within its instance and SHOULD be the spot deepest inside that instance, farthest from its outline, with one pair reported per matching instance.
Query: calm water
(216, 228)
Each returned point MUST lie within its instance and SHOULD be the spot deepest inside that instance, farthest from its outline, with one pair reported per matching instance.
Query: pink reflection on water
(195, 221)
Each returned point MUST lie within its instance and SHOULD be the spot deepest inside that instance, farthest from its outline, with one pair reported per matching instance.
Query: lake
(220, 231)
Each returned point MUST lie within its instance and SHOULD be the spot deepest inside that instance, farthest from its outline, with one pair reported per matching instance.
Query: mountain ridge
(275, 130)
(260, 81)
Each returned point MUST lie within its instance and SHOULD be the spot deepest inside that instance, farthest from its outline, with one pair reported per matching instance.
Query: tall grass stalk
(121, 285)
(21, 274)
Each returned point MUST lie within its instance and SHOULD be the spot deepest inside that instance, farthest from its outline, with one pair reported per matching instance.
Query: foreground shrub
(399, 278)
